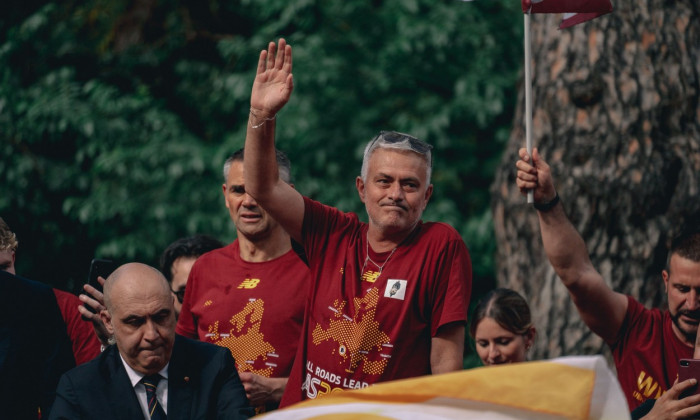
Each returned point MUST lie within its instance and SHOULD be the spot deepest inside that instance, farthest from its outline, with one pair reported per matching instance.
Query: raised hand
(534, 174)
(95, 299)
(273, 83)
(672, 406)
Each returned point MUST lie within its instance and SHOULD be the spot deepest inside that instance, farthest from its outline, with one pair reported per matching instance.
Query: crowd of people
(309, 300)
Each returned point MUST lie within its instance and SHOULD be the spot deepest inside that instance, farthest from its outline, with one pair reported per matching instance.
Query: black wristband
(548, 205)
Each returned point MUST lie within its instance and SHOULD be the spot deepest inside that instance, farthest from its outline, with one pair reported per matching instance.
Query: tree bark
(616, 115)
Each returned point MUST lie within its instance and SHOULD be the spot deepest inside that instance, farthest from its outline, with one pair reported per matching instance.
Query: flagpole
(528, 95)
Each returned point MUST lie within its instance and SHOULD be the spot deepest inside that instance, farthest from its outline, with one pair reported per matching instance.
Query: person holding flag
(646, 344)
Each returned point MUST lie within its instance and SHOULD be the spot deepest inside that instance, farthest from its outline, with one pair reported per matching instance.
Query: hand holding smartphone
(689, 368)
(98, 268)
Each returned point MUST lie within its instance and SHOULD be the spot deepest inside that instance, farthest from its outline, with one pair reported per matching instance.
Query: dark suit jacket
(34, 347)
(202, 384)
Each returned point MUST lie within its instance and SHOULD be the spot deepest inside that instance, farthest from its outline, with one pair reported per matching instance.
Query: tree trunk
(616, 115)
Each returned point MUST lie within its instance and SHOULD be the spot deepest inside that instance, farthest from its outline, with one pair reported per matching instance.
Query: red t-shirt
(647, 353)
(255, 309)
(86, 345)
(360, 328)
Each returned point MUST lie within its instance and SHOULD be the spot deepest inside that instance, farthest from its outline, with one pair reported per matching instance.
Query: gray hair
(397, 141)
(283, 164)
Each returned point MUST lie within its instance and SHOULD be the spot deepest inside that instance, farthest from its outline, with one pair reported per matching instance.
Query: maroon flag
(566, 6)
(576, 11)
(571, 19)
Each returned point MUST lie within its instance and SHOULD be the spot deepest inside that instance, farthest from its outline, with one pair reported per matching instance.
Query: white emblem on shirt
(395, 289)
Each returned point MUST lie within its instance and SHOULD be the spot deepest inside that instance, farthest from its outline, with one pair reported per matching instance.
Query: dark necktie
(154, 408)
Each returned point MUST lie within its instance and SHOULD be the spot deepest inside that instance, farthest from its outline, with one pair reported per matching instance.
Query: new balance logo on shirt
(249, 284)
(371, 276)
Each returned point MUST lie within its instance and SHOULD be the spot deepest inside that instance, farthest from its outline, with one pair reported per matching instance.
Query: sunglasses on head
(391, 137)
(180, 294)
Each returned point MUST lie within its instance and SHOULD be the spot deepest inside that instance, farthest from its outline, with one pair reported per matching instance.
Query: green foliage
(115, 127)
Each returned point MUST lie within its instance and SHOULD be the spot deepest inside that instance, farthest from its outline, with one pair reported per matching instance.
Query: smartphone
(689, 368)
(99, 268)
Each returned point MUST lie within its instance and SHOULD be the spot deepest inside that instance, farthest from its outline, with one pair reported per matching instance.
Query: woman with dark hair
(502, 327)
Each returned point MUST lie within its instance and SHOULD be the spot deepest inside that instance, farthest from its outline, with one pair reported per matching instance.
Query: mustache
(690, 335)
(690, 314)
(393, 204)
(248, 212)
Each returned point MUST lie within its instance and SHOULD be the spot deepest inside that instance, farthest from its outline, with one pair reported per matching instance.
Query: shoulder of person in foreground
(87, 386)
(217, 371)
(102, 365)
(36, 349)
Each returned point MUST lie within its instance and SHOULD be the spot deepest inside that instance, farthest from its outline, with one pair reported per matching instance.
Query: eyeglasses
(391, 137)
(180, 294)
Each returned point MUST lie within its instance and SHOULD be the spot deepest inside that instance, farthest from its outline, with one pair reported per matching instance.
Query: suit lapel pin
(187, 379)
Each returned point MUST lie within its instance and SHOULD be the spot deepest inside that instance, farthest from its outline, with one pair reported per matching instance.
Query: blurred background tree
(116, 117)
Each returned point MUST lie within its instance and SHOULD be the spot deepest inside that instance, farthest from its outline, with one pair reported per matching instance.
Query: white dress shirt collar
(140, 390)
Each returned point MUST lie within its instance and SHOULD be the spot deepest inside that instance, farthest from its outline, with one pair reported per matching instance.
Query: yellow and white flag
(581, 387)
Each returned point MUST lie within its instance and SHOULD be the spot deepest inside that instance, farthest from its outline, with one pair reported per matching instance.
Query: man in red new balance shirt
(646, 344)
(389, 297)
(249, 296)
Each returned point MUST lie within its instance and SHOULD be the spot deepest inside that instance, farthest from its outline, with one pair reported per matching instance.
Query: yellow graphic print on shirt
(647, 387)
(371, 276)
(357, 337)
(246, 342)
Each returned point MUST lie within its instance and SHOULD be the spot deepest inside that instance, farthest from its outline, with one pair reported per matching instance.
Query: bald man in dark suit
(195, 380)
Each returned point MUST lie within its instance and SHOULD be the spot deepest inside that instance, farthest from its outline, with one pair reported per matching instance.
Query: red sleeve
(86, 345)
(453, 287)
(186, 323)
